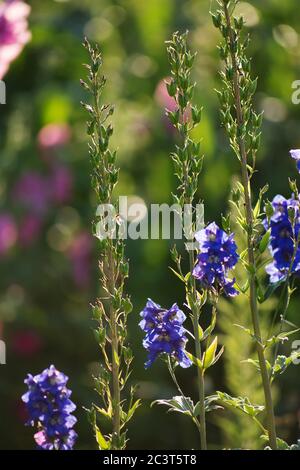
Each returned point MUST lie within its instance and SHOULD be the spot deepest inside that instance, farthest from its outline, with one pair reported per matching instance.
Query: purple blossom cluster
(295, 154)
(217, 257)
(164, 333)
(50, 409)
(283, 238)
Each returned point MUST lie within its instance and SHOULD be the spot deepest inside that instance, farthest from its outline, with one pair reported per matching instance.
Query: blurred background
(48, 265)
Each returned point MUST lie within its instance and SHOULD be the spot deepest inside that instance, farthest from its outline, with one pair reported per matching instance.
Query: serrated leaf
(179, 404)
(103, 412)
(240, 403)
(280, 338)
(281, 444)
(283, 362)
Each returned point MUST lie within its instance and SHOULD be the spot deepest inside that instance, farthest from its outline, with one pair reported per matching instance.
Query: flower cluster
(49, 407)
(284, 225)
(14, 32)
(217, 256)
(164, 333)
(295, 154)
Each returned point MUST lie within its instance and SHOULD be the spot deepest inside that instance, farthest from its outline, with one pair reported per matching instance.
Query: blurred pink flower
(61, 184)
(54, 135)
(26, 343)
(8, 233)
(167, 102)
(32, 191)
(162, 96)
(14, 32)
(29, 229)
(80, 254)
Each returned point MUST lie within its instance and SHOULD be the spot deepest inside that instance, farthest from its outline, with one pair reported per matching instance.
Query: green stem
(116, 393)
(111, 282)
(200, 383)
(251, 251)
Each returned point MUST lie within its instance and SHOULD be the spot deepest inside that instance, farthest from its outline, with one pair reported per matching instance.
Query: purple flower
(8, 233)
(283, 238)
(217, 256)
(168, 103)
(49, 407)
(61, 183)
(14, 32)
(164, 333)
(295, 154)
(29, 229)
(80, 255)
(32, 191)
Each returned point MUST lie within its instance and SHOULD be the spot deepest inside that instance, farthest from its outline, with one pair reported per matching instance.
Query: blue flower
(49, 407)
(295, 154)
(283, 238)
(217, 256)
(164, 333)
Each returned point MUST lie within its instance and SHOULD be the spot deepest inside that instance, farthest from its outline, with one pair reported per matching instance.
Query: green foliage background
(36, 288)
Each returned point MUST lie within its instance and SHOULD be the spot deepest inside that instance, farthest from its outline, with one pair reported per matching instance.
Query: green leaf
(200, 332)
(101, 441)
(106, 413)
(211, 404)
(240, 403)
(280, 338)
(178, 404)
(132, 410)
(281, 444)
(264, 241)
(270, 291)
(256, 210)
(178, 275)
(195, 361)
(243, 289)
(210, 353)
(283, 362)
(212, 325)
(253, 362)
(248, 331)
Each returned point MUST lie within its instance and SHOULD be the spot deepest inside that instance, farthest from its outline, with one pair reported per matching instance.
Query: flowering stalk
(283, 222)
(111, 311)
(243, 127)
(50, 409)
(188, 165)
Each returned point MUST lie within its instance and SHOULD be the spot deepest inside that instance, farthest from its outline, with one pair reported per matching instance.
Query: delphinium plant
(112, 308)
(275, 225)
(50, 409)
(210, 259)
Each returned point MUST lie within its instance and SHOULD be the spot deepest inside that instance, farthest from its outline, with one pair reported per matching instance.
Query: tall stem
(114, 351)
(251, 253)
(200, 376)
(111, 284)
